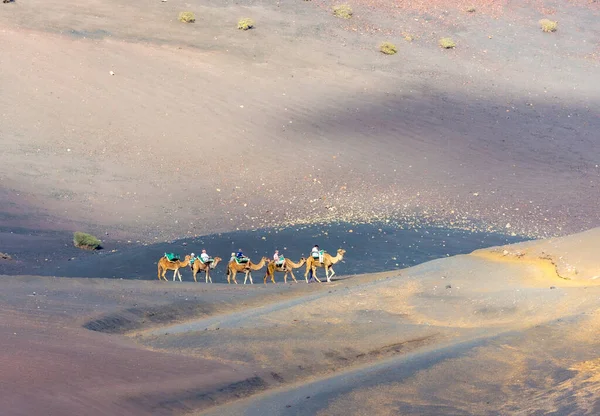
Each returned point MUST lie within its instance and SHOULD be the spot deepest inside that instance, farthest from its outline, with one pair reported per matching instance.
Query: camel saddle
(317, 255)
(243, 260)
(172, 256)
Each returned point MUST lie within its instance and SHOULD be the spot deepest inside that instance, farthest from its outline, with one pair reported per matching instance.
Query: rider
(277, 258)
(192, 259)
(314, 250)
(240, 256)
(205, 257)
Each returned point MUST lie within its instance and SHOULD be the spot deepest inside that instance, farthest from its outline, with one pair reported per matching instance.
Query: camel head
(341, 251)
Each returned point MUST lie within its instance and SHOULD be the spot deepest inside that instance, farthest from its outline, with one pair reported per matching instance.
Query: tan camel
(234, 268)
(285, 268)
(198, 266)
(328, 262)
(164, 265)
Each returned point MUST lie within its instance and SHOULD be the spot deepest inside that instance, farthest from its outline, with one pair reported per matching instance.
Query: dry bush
(471, 9)
(187, 17)
(548, 25)
(245, 23)
(388, 48)
(447, 43)
(86, 241)
(343, 11)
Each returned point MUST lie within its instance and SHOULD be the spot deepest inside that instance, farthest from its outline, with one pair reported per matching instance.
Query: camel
(234, 268)
(328, 262)
(198, 266)
(164, 265)
(285, 268)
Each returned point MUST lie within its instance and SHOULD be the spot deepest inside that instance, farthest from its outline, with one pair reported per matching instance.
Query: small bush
(447, 43)
(343, 11)
(86, 241)
(187, 17)
(408, 37)
(245, 23)
(548, 25)
(471, 9)
(388, 48)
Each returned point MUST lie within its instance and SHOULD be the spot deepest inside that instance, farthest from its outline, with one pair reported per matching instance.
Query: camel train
(242, 264)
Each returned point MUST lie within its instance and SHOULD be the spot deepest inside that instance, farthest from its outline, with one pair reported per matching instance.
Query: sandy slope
(492, 332)
(207, 128)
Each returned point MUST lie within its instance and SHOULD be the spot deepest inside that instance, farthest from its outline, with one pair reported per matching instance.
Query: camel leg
(293, 277)
(331, 275)
(179, 275)
(315, 274)
(195, 272)
(174, 274)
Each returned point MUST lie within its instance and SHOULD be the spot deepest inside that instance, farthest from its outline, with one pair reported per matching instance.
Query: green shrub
(86, 241)
(548, 25)
(187, 17)
(388, 48)
(245, 23)
(409, 37)
(447, 43)
(343, 11)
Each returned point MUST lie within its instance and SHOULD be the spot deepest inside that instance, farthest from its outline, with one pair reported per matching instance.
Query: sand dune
(119, 120)
(481, 333)
(206, 128)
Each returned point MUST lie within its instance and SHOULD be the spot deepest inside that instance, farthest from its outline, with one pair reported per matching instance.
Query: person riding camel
(240, 257)
(317, 253)
(278, 259)
(205, 258)
(192, 259)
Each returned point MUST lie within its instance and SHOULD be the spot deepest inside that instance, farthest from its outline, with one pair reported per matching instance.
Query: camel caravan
(239, 263)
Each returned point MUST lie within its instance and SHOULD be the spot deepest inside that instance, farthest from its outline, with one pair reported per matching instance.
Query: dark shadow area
(370, 248)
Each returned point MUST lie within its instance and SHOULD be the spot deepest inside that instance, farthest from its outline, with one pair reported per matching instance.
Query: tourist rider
(205, 257)
(277, 258)
(319, 253)
(240, 256)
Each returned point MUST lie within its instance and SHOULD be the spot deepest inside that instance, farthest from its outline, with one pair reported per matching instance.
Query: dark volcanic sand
(370, 248)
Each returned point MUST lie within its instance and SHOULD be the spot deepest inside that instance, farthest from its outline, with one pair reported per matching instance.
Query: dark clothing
(239, 255)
